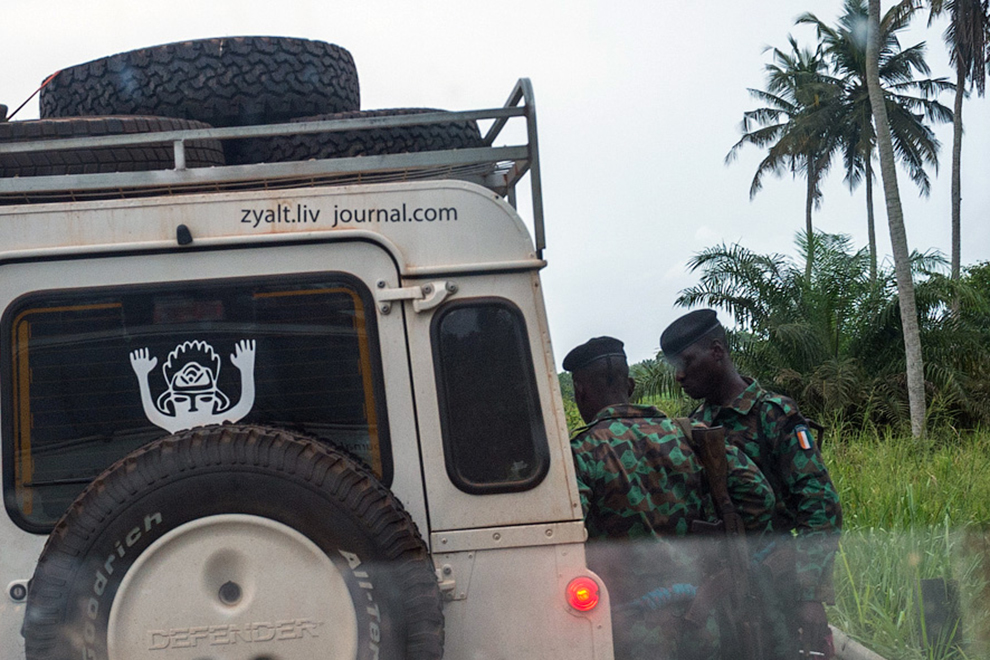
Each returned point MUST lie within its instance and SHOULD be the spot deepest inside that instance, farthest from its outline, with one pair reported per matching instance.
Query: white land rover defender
(278, 389)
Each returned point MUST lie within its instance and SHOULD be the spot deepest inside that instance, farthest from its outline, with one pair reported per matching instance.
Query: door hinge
(423, 297)
(448, 585)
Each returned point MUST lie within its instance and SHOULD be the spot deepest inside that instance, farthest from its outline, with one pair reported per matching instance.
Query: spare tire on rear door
(232, 81)
(127, 158)
(235, 541)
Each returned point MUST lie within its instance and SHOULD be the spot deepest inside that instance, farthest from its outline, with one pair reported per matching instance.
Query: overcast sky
(638, 104)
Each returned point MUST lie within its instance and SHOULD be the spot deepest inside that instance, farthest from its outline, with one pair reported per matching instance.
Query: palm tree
(832, 341)
(914, 141)
(895, 221)
(968, 39)
(795, 124)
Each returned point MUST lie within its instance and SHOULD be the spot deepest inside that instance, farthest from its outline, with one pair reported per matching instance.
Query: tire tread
(199, 153)
(231, 81)
(366, 142)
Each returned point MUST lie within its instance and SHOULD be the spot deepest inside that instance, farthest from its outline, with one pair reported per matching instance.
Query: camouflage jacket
(638, 477)
(770, 430)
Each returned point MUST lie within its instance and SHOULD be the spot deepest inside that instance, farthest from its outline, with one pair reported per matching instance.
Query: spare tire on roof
(231, 81)
(127, 158)
(377, 140)
(236, 541)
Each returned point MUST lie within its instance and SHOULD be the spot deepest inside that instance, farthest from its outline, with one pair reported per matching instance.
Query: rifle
(741, 617)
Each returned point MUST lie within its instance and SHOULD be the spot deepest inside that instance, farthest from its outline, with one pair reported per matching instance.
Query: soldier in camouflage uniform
(641, 487)
(769, 428)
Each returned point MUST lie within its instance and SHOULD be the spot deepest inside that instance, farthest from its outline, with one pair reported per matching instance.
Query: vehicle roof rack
(498, 168)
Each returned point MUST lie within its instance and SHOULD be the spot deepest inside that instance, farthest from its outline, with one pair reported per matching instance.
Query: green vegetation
(832, 340)
(858, 93)
(574, 421)
(913, 511)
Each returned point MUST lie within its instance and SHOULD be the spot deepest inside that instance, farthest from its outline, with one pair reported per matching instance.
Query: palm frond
(831, 338)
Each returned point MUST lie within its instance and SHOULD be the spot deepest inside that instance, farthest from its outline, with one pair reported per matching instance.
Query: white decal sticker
(192, 397)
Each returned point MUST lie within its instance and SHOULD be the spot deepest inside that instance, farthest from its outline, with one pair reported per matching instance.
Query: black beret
(686, 330)
(593, 349)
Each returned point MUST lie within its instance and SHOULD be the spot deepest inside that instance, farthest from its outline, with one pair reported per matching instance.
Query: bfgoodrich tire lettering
(159, 521)
(233, 81)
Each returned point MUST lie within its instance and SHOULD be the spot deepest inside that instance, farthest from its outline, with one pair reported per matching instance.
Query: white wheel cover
(293, 602)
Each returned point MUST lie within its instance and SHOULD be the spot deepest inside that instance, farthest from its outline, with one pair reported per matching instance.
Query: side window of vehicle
(493, 432)
(90, 375)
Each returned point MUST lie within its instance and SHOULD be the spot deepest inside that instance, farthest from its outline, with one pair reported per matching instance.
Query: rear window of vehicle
(493, 433)
(90, 375)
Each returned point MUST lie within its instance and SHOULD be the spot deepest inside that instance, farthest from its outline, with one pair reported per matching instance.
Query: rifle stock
(740, 615)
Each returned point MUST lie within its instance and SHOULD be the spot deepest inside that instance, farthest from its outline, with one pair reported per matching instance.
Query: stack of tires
(232, 81)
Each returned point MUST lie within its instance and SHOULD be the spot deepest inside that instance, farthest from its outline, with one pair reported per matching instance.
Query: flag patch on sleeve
(804, 436)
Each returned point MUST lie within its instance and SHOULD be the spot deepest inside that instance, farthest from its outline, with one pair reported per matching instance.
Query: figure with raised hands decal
(192, 396)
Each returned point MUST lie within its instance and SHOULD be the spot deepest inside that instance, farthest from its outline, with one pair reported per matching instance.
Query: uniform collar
(743, 403)
(625, 410)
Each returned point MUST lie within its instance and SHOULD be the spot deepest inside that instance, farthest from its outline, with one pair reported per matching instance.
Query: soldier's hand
(813, 629)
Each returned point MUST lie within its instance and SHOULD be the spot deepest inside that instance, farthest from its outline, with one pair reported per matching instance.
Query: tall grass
(913, 511)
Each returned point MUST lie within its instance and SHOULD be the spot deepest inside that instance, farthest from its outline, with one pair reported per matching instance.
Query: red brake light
(582, 594)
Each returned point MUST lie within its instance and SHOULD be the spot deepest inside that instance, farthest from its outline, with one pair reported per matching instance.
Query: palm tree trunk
(808, 205)
(871, 226)
(898, 235)
(957, 134)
